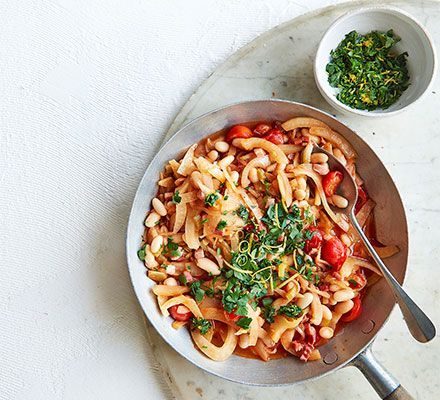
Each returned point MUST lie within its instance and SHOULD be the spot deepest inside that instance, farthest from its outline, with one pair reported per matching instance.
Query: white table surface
(88, 90)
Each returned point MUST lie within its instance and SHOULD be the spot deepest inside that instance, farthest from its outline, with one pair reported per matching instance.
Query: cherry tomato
(231, 316)
(238, 131)
(261, 129)
(178, 315)
(275, 136)
(331, 181)
(354, 312)
(315, 241)
(334, 252)
(361, 200)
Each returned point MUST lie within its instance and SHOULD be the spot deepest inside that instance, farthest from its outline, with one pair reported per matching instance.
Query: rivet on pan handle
(386, 386)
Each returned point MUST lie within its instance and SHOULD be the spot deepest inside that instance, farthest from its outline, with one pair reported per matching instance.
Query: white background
(87, 90)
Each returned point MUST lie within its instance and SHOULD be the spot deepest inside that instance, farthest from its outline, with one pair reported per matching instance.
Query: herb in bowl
(366, 71)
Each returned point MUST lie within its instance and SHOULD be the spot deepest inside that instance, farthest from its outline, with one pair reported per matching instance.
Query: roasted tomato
(238, 131)
(231, 316)
(334, 252)
(275, 136)
(361, 200)
(331, 181)
(354, 312)
(316, 240)
(261, 129)
(180, 312)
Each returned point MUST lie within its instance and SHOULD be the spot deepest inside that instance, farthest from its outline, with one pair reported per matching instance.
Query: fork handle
(420, 326)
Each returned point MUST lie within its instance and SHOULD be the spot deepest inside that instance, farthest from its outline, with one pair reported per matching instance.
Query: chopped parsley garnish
(203, 325)
(269, 314)
(243, 213)
(204, 221)
(211, 198)
(221, 225)
(244, 322)
(176, 197)
(141, 253)
(353, 282)
(368, 74)
(292, 311)
(226, 197)
(197, 291)
(182, 279)
(172, 248)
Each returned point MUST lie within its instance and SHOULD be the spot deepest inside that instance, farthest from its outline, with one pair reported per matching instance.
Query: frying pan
(352, 346)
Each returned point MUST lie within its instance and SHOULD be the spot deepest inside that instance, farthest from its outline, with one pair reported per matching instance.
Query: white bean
(213, 155)
(334, 288)
(156, 244)
(305, 301)
(344, 307)
(326, 332)
(170, 282)
(326, 313)
(159, 207)
(300, 194)
(302, 184)
(221, 147)
(152, 219)
(224, 162)
(209, 266)
(243, 341)
(319, 158)
(253, 175)
(235, 175)
(339, 201)
(343, 295)
(150, 260)
(321, 169)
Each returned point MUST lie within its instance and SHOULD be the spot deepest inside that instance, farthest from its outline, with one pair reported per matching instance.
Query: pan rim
(131, 223)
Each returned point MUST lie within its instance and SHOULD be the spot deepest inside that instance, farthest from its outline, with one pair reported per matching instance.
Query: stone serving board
(279, 64)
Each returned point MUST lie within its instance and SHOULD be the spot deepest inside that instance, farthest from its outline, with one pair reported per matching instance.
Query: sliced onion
(184, 300)
(254, 163)
(275, 153)
(302, 122)
(180, 217)
(169, 291)
(335, 138)
(285, 188)
(216, 353)
(186, 165)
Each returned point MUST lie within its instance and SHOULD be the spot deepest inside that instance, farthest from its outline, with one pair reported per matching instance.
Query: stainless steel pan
(350, 347)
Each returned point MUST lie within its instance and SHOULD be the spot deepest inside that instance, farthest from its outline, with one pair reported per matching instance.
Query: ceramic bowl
(415, 40)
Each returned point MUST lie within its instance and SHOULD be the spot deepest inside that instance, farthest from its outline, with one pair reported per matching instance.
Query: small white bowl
(421, 60)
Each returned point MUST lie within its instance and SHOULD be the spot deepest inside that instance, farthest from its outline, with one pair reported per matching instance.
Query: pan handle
(386, 386)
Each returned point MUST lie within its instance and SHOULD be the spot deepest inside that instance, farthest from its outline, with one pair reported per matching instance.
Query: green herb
(197, 291)
(366, 71)
(211, 198)
(141, 253)
(353, 282)
(203, 325)
(243, 213)
(182, 279)
(204, 221)
(244, 322)
(269, 314)
(292, 311)
(226, 197)
(176, 197)
(172, 248)
(221, 225)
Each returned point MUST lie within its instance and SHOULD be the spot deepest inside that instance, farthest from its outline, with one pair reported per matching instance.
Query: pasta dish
(246, 245)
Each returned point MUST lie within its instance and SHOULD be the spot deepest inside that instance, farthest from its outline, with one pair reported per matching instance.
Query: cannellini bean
(339, 201)
(221, 147)
(326, 313)
(159, 207)
(344, 307)
(235, 175)
(224, 162)
(326, 332)
(321, 169)
(209, 266)
(343, 295)
(253, 175)
(156, 244)
(170, 282)
(213, 155)
(346, 239)
(152, 219)
(170, 269)
(316, 308)
(150, 260)
(300, 194)
(334, 288)
(302, 184)
(181, 309)
(319, 158)
(305, 301)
